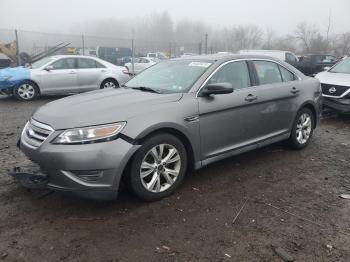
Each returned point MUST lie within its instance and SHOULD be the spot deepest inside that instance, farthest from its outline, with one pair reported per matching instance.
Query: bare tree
(305, 33)
(270, 39)
(344, 44)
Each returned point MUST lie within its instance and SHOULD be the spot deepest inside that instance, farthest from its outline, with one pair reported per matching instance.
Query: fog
(301, 26)
(71, 15)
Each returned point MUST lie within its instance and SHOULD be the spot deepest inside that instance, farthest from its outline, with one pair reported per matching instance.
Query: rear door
(229, 121)
(277, 91)
(90, 74)
(61, 78)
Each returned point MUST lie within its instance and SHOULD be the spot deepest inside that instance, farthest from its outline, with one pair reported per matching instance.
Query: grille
(334, 90)
(35, 133)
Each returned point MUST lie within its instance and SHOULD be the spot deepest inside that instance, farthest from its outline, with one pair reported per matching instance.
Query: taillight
(125, 71)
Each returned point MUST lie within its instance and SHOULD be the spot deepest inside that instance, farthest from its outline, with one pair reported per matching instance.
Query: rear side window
(88, 63)
(268, 72)
(286, 75)
(235, 73)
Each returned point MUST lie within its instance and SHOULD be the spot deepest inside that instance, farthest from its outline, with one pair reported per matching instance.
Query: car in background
(285, 56)
(314, 63)
(140, 64)
(335, 84)
(158, 55)
(178, 114)
(58, 75)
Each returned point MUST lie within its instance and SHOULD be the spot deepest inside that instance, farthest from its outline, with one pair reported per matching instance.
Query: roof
(222, 57)
(74, 56)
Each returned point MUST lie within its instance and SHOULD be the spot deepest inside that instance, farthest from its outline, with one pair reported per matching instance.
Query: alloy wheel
(160, 168)
(304, 128)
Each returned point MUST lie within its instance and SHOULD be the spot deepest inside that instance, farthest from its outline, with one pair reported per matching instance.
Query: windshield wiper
(145, 89)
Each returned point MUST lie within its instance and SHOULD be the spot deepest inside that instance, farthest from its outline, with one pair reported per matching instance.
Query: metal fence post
(17, 49)
(206, 44)
(132, 56)
(83, 42)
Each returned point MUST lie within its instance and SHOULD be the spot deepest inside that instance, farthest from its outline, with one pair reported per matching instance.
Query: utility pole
(206, 44)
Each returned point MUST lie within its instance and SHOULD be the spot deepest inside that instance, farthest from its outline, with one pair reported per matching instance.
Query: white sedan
(65, 74)
(335, 84)
(140, 64)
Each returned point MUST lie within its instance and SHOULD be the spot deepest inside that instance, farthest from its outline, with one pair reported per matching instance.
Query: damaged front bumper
(89, 170)
(342, 105)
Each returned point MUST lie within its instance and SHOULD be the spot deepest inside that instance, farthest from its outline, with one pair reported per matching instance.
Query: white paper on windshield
(200, 64)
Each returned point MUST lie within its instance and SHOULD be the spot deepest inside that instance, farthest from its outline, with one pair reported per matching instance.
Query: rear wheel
(158, 167)
(303, 128)
(109, 83)
(26, 91)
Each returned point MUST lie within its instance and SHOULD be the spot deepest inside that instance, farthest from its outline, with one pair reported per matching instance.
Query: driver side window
(235, 73)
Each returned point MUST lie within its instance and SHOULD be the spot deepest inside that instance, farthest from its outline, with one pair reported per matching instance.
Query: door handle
(72, 72)
(251, 98)
(294, 90)
(103, 70)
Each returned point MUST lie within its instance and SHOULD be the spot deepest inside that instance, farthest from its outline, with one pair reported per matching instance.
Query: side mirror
(48, 68)
(326, 68)
(216, 89)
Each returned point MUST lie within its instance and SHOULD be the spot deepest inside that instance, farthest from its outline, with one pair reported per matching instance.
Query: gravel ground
(260, 206)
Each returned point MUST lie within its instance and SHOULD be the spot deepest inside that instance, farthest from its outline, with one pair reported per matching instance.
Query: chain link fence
(34, 45)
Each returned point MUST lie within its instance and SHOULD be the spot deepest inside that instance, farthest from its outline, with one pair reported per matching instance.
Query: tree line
(160, 27)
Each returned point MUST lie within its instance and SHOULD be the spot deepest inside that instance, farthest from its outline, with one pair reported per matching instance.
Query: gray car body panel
(215, 127)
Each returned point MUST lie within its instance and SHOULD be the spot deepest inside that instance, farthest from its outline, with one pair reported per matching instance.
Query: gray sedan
(68, 75)
(178, 114)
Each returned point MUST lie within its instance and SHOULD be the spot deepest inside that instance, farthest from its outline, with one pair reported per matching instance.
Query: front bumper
(335, 104)
(91, 170)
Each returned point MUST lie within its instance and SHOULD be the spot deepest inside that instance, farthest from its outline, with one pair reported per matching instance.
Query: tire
(109, 83)
(161, 178)
(26, 91)
(302, 130)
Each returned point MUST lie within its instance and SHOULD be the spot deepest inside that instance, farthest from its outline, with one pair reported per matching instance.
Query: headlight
(89, 134)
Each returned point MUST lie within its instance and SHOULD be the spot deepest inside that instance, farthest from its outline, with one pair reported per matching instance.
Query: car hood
(101, 107)
(334, 78)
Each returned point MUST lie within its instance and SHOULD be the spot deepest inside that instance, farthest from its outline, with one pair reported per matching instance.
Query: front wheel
(302, 130)
(26, 91)
(158, 167)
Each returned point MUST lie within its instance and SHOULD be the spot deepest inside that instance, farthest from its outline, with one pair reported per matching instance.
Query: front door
(229, 121)
(61, 78)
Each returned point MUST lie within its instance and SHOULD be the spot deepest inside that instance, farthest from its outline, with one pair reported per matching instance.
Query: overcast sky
(281, 15)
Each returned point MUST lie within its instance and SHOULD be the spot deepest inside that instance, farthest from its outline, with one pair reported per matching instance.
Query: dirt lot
(288, 199)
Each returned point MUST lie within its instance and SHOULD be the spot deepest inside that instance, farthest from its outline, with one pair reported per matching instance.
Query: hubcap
(304, 127)
(26, 91)
(160, 168)
(109, 85)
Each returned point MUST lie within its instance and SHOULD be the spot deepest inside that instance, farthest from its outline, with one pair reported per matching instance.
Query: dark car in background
(313, 63)
(178, 114)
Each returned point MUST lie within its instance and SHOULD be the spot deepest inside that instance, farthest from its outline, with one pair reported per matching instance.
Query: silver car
(140, 64)
(178, 114)
(67, 75)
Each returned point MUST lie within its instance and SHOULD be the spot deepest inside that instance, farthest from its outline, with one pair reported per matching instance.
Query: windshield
(41, 62)
(342, 67)
(175, 76)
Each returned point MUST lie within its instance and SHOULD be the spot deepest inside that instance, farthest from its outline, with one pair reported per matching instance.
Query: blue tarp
(10, 77)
